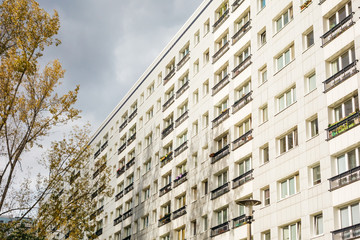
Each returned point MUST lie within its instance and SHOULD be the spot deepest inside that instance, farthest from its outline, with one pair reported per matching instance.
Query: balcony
(182, 118)
(340, 76)
(243, 178)
(182, 89)
(129, 188)
(119, 195)
(321, 1)
(130, 163)
(183, 60)
(165, 189)
(99, 170)
(99, 210)
(99, 232)
(127, 238)
(168, 102)
(242, 140)
(120, 171)
(222, 83)
(132, 115)
(345, 178)
(343, 125)
(117, 220)
(352, 232)
(165, 220)
(181, 148)
(221, 52)
(242, 66)
(123, 125)
(220, 154)
(305, 4)
(167, 130)
(217, 192)
(239, 104)
(166, 158)
(221, 19)
(241, 32)
(169, 76)
(127, 214)
(337, 30)
(104, 145)
(178, 213)
(219, 229)
(180, 179)
(131, 139)
(99, 190)
(74, 177)
(122, 148)
(236, 4)
(222, 117)
(239, 221)
(97, 153)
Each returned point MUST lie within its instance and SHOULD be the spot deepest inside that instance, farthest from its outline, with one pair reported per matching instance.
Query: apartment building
(251, 99)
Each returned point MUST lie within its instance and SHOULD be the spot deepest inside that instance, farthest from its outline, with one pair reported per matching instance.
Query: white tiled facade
(250, 99)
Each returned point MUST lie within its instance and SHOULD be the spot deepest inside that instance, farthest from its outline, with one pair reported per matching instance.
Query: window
(264, 113)
(262, 37)
(289, 141)
(266, 235)
(195, 127)
(194, 193)
(159, 78)
(349, 215)
(261, 4)
(310, 83)
(340, 15)
(206, 186)
(244, 166)
(184, 52)
(242, 55)
(284, 58)
(318, 224)
(170, 67)
(205, 222)
(222, 178)
(196, 66)
(205, 119)
(222, 215)
(180, 234)
(240, 22)
(221, 10)
(222, 41)
(206, 87)
(221, 74)
(196, 37)
(151, 89)
(158, 104)
(183, 109)
(266, 196)
(345, 108)
(167, 237)
(150, 113)
(193, 227)
(182, 138)
(222, 107)
(289, 186)
(284, 19)
(169, 93)
(166, 179)
(286, 99)
(206, 56)
(196, 96)
(264, 153)
(291, 231)
(340, 62)
(222, 142)
(180, 201)
(263, 75)
(316, 175)
(147, 165)
(348, 161)
(243, 127)
(309, 39)
(181, 169)
(183, 80)
(206, 27)
(142, 98)
(145, 221)
(313, 127)
(117, 236)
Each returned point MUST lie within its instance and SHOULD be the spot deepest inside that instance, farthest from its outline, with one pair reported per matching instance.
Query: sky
(108, 44)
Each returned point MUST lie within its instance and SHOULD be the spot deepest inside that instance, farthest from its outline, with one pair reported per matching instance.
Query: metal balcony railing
(222, 83)
(129, 188)
(340, 76)
(120, 171)
(236, 4)
(243, 178)
(181, 148)
(337, 29)
(219, 229)
(220, 154)
(179, 212)
(99, 170)
(104, 145)
(127, 214)
(169, 76)
(165, 159)
(344, 125)
(168, 102)
(241, 32)
(222, 117)
(131, 139)
(239, 104)
(305, 4)
(239, 221)
(183, 60)
(132, 115)
(180, 179)
(242, 66)
(221, 52)
(165, 220)
(97, 153)
(182, 89)
(242, 140)
(217, 192)
(167, 130)
(127, 238)
(119, 195)
(221, 19)
(348, 233)
(122, 148)
(321, 1)
(123, 125)
(117, 220)
(99, 232)
(182, 118)
(165, 189)
(130, 163)
(345, 178)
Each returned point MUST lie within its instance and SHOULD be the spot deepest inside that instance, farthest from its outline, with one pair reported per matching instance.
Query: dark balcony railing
(99, 232)
(179, 212)
(222, 117)
(120, 171)
(217, 192)
(239, 221)
(221, 52)
(123, 125)
(166, 158)
(99, 170)
(340, 76)
(168, 102)
(242, 140)
(181, 148)
(122, 148)
(180, 179)
(337, 29)
(350, 233)
(221, 19)
(131, 139)
(345, 178)
(305, 4)
(119, 195)
(242, 66)
(127, 214)
(219, 229)
(104, 145)
(99, 210)
(242, 102)
(167, 130)
(165, 220)
(321, 1)
(344, 125)
(117, 220)
(165, 189)
(99, 190)
(132, 115)
(182, 118)
(74, 177)
(243, 178)
(222, 83)
(129, 188)
(241, 32)
(97, 153)
(236, 4)
(169, 76)
(127, 238)
(220, 154)
(130, 163)
(182, 89)
(183, 60)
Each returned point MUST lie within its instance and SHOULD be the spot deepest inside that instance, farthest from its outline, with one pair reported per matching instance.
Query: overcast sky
(108, 44)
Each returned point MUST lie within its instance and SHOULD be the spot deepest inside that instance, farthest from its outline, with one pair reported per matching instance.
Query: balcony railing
(321, 1)
(239, 104)
(305, 4)
(117, 220)
(169, 76)
(132, 115)
(340, 76)
(219, 229)
(165, 220)
(97, 153)
(239, 221)
(182, 89)
(99, 232)
(165, 189)
(168, 102)
(183, 60)
(182, 118)
(127, 238)
(181, 148)
(127, 214)
(242, 66)
(352, 232)
(131, 139)
(123, 125)
(122, 148)
(99, 210)
(220, 154)
(99, 190)
(217, 192)
(119, 195)
(243, 178)
(221, 52)
(129, 188)
(180, 179)
(166, 158)
(104, 145)
(242, 140)
(120, 171)
(130, 163)
(342, 126)
(222, 117)
(337, 29)
(99, 170)
(345, 178)
(241, 32)
(236, 4)
(178, 213)
(167, 130)
(222, 83)
(74, 177)
(221, 19)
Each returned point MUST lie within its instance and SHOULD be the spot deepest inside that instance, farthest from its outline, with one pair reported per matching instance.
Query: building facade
(250, 99)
